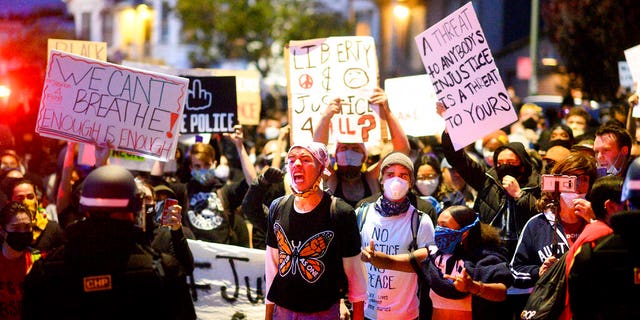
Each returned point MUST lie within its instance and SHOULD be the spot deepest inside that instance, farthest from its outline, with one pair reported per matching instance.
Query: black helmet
(110, 188)
(631, 185)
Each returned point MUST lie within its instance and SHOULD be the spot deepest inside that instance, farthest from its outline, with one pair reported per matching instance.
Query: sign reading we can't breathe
(104, 104)
(458, 60)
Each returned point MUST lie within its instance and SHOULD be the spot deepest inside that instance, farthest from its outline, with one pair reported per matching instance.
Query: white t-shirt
(393, 294)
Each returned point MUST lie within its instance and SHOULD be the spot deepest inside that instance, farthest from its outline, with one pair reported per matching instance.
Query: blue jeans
(333, 313)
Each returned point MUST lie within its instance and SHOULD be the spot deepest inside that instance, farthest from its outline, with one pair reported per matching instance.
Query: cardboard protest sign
(89, 49)
(624, 74)
(211, 105)
(86, 156)
(248, 94)
(413, 101)
(320, 70)
(458, 60)
(91, 101)
(632, 55)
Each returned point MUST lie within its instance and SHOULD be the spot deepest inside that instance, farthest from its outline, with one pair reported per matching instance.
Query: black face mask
(507, 169)
(530, 124)
(19, 241)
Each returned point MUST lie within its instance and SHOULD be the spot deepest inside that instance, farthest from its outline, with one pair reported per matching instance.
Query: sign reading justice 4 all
(105, 104)
(320, 70)
(458, 60)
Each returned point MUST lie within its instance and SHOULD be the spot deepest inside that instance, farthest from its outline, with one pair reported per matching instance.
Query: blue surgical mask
(611, 170)
(349, 158)
(448, 239)
(204, 176)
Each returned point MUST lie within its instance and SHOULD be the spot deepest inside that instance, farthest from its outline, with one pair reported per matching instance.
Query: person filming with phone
(545, 237)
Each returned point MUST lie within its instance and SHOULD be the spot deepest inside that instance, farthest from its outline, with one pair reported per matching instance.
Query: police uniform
(106, 270)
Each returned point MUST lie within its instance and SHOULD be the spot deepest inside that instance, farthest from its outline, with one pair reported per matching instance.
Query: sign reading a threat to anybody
(105, 104)
(458, 60)
(320, 70)
(211, 105)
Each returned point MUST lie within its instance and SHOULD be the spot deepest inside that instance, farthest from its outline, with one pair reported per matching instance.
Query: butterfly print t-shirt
(310, 250)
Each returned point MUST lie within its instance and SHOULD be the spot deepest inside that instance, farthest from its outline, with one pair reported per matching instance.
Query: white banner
(229, 280)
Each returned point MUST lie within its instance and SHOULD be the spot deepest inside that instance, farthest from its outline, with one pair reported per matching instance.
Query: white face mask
(427, 186)
(222, 172)
(576, 130)
(568, 197)
(349, 158)
(395, 188)
(271, 133)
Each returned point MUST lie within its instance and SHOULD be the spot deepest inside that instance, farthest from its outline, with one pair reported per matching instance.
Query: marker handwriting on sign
(99, 103)
(462, 70)
(452, 29)
(345, 52)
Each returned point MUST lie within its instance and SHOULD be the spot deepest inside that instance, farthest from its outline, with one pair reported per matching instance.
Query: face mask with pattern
(448, 239)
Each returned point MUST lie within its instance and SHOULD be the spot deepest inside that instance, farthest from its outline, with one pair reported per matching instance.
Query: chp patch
(636, 275)
(97, 283)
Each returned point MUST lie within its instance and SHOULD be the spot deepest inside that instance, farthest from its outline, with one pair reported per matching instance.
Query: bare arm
(398, 137)
(321, 133)
(270, 269)
(357, 277)
(249, 171)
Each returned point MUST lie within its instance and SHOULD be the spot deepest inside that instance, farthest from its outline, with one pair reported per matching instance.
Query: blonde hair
(203, 152)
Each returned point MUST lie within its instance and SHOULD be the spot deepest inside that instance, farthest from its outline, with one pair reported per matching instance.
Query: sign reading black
(211, 105)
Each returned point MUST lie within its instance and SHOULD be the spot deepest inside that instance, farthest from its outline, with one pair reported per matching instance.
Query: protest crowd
(474, 228)
(536, 219)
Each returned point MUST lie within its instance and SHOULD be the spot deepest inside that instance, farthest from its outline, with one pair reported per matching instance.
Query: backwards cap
(317, 150)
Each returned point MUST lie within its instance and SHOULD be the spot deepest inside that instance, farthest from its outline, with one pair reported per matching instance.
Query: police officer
(105, 271)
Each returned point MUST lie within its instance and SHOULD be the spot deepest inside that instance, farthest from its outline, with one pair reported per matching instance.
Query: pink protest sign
(95, 102)
(458, 60)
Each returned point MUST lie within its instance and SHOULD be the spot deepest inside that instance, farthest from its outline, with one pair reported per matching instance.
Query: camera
(558, 183)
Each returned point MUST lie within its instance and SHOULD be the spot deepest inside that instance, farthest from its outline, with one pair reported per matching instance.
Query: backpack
(361, 215)
(548, 296)
(279, 202)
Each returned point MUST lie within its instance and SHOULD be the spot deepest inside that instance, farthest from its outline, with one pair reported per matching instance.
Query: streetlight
(401, 15)
(5, 92)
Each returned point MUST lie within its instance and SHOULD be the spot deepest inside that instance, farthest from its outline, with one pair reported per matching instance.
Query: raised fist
(270, 176)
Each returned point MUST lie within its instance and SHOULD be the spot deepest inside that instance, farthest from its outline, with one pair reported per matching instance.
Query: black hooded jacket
(492, 201)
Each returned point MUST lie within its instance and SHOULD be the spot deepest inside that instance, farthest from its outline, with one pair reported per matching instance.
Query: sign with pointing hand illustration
(211, 105)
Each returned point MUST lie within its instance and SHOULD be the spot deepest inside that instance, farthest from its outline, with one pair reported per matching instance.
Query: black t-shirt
(311, 247)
